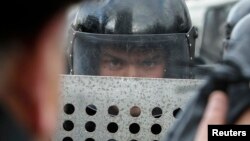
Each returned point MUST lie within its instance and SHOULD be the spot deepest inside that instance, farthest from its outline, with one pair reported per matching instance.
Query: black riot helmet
(160, 31)
(239, 47)
(238, 11)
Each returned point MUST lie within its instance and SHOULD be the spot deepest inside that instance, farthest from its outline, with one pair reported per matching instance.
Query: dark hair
(23, 20)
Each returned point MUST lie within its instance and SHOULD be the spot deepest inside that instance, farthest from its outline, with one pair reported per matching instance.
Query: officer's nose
(132, 71)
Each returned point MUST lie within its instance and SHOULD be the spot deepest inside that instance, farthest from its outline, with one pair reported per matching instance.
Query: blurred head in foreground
(30, 59)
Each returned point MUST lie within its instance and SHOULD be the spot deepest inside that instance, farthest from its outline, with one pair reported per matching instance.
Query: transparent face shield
(154, 56)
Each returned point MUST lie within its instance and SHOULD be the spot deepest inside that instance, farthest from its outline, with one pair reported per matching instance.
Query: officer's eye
(149, 63)
(115, 64)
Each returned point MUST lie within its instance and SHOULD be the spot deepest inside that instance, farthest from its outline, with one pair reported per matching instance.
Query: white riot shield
(120, 109)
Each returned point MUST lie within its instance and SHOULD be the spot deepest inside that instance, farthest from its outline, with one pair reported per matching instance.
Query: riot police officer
(225, 98)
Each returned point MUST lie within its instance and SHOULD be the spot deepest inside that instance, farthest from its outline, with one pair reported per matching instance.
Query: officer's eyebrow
(106, 54)
(148, 56)
(155, 57)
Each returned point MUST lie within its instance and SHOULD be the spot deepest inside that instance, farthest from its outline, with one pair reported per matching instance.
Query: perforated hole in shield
(69, 109)
(91, 110)
(113, 110)
(112, 127)
(177, 112)
(157, 112)
(67, 139)
(68, 125)
(90, 126)
(156, 129)
(111, 140)
(135, 111)
(89, 139)
(134, 128)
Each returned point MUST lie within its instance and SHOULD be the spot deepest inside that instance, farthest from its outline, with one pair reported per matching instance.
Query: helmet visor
(151, 55)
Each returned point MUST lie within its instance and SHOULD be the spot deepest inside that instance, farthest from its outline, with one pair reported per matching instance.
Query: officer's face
(136, 63)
